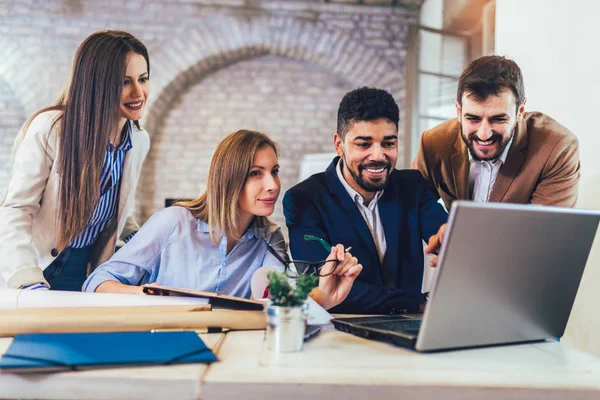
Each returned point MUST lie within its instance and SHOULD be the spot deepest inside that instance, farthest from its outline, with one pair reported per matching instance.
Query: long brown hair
(229, 167)
(90, 114)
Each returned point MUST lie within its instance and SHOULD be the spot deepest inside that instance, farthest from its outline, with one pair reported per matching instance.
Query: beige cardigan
(28, 224)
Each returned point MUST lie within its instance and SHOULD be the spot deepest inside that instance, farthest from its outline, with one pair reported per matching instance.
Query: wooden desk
(145, 383)
(336, 366)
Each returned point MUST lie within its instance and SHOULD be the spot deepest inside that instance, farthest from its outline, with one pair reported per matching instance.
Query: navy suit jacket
(409, 213)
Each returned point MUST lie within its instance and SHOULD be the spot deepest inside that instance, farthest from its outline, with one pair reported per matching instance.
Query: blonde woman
(76, 165)
(215, 242)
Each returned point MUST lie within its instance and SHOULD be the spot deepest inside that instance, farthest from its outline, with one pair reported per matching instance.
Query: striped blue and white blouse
(110, 183)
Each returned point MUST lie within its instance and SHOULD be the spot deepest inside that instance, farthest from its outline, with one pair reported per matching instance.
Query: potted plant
(287, 311)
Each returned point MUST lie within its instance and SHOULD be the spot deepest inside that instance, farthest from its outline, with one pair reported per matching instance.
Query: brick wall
(288, 100)
(11, 118)
(217, 65)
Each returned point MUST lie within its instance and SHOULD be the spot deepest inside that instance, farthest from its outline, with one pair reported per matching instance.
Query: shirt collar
(252, 231)
(202, 226)
(501, 159)
(353, 193)
(125, 144)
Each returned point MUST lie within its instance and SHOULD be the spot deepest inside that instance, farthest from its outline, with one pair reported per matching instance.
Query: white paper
(17, 298)
(317, 315)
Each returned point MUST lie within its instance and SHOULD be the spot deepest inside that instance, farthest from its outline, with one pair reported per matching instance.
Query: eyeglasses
(294, 268)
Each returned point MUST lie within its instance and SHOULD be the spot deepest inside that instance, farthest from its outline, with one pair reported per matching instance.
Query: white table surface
(337, 365)
(334, 365)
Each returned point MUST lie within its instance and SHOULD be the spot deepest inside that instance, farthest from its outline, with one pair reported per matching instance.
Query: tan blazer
(542, 166)
(28, 224)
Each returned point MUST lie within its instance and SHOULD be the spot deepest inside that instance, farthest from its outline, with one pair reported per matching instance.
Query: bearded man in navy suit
(362, 201)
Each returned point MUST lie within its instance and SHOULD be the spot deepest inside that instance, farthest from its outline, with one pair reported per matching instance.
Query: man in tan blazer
(495, 151)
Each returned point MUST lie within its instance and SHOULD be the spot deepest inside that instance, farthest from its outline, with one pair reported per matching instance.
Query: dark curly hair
(366, 104)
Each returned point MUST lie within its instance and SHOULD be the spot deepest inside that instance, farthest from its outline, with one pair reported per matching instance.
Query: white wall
(556, 45)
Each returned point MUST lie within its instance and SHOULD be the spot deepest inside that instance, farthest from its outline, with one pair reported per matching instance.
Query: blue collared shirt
(174, 249)
(110, 179)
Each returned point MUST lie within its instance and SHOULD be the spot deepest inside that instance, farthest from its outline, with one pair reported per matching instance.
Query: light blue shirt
(174, 249)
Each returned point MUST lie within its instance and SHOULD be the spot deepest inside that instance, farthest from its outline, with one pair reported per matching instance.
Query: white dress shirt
(483, 174)
(370, 213)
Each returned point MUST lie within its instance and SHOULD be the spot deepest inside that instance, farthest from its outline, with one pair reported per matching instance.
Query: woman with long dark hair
(75, 167)
(217, 242)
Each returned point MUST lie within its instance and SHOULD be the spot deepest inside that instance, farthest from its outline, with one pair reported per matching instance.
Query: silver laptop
(508, 273)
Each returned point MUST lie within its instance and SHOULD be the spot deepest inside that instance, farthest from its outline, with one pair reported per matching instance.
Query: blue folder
(45, 352)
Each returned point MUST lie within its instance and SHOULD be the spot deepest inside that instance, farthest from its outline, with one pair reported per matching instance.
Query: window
(441, 57)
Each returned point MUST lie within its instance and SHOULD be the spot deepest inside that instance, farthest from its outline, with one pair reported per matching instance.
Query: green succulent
(283, 294)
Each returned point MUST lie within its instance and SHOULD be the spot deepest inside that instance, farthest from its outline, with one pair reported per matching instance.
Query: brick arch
(224, 41)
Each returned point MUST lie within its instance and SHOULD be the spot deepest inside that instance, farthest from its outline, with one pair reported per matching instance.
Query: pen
(325, 245)
(210, 329)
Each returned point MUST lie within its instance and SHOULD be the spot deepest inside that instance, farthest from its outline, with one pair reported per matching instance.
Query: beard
(500, 141)
(374, 185)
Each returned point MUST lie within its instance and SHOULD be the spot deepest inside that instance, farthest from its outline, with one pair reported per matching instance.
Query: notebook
(48, 352)
(507, 273)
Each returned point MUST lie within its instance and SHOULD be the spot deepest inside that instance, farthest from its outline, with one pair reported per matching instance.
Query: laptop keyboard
(407, 325)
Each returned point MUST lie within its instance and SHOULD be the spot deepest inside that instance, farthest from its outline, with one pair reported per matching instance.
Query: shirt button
(54, 253)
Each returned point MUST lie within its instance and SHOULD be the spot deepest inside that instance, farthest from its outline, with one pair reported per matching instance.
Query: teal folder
(46, 352)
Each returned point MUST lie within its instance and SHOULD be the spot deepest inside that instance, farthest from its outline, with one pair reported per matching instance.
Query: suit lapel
(514, 160)
(460, 169)
(346, 203)
(389, 213)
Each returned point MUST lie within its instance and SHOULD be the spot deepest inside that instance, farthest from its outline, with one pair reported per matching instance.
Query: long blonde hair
(229, 167)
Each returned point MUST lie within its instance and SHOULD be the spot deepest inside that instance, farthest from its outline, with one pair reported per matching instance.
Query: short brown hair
(229, 167)
(489, 75)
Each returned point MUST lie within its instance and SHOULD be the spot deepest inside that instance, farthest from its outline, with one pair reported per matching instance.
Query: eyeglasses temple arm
(325, 245)
(275, 253)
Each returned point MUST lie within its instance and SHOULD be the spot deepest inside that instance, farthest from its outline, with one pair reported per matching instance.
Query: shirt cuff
(35, 286)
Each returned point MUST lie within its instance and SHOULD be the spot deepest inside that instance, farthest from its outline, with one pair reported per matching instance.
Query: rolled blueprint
(23, 311)
(68, 320)
(17, 298)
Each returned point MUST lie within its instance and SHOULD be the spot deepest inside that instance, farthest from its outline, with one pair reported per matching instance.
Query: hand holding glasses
(294, 268)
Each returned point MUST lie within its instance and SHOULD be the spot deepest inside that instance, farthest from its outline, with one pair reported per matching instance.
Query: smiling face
(369, 150)
(261, 188)
(487, 126)
(136, 88)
